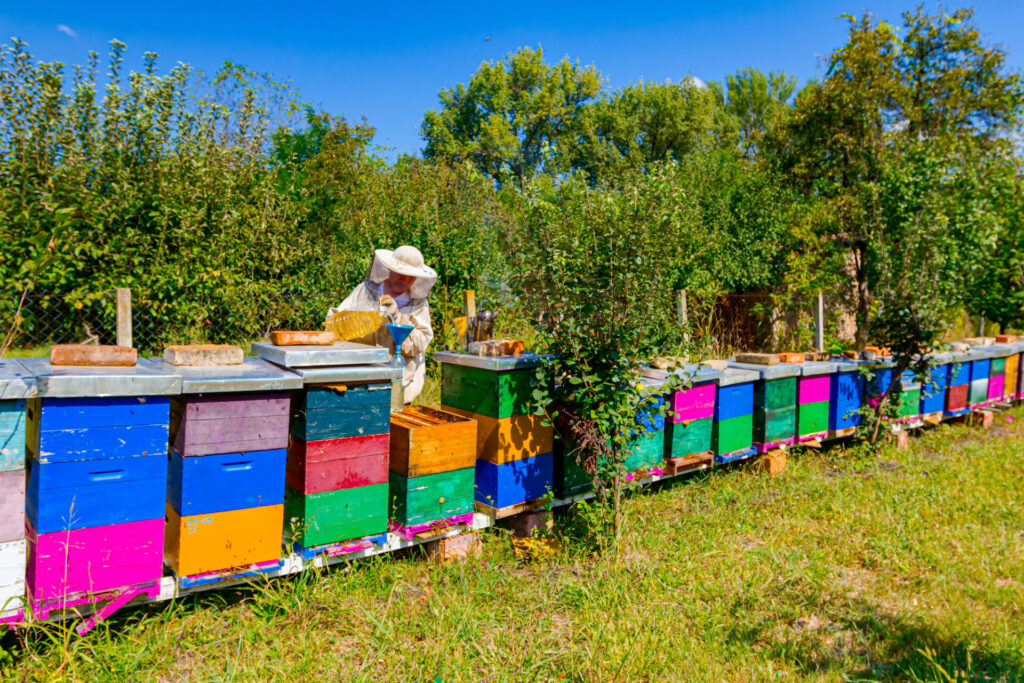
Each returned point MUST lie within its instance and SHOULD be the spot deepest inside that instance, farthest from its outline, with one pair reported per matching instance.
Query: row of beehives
(218, 472)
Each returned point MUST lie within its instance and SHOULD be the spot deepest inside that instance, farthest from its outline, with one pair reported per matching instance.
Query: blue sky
(388, 60)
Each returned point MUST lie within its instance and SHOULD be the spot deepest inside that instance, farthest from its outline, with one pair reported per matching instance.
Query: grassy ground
(906, 566)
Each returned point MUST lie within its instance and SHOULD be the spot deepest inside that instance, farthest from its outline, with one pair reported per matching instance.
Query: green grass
(845, 567)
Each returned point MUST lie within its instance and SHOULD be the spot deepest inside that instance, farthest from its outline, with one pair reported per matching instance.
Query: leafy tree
(646, 123)
(598, 271)
(510, 115)
(757, 100)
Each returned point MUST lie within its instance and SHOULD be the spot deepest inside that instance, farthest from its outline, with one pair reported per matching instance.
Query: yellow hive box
(222, 540)
(501, 440)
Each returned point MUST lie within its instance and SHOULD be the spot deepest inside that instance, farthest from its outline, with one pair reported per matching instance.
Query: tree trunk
(863, 294)
(617, 514)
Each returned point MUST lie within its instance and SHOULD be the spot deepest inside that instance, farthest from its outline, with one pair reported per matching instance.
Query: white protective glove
(389, 308)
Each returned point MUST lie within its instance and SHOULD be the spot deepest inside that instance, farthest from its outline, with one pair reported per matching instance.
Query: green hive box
(432, 497)
(910, 402)
(647, 452)
(775, 396)
(492, 393)
(332, 516)
(734, 434)
(812, 418)
(691, 438)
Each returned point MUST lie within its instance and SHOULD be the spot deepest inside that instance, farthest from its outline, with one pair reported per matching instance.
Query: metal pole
(819, 323)
(124, 317)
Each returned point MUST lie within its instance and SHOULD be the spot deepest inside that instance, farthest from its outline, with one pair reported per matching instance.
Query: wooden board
(514, 482)
(12, 506)
(333, 516)
(503, 440)
(676, 466)
(419, 500)
(91, 493)
(12, 434)
(494, 394)
(758, 358)
(93, 355)
(227, 481)
(222, 540)
(344, 396)
(81, 413)
(734, 434)
(203, 355)
(427, 441)
(95, 559)
(775, 393)
(13, 560)
(342, 422)
(232, 435)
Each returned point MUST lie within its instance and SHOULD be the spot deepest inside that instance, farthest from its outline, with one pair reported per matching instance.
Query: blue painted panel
(735, 400)
(104, 442)
(80, 413)
(846, 395)
(316, 398)
(959, 374)
(230, 481)
(933, 392)
(880, 382)
(78, 495)
(652, 420)
(337, 423)
(514, 482)
(979, 369)
(12, 435)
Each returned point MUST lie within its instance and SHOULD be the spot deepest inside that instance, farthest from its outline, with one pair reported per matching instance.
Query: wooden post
(819, 323)
(981, 326)
(682, 314)
(124, 317)
(469, 303)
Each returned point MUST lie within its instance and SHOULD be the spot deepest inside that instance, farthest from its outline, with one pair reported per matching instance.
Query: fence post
(124, 317)
(682, 314)
(981, 325)
(819, 323)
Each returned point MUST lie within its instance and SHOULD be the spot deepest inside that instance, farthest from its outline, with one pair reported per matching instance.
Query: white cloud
(67, 30)
(697, 82)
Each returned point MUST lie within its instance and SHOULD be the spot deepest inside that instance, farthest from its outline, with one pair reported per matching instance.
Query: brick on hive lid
(980, 341)
(1006, 338)
(791, 357)
(302, 338)
(758, 358)
(203, 355)
(716, 364)
(93, 355)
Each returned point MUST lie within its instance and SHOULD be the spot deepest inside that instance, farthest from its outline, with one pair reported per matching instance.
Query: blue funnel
(399, 333)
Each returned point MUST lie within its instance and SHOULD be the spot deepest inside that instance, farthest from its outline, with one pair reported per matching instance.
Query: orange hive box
(428, 441)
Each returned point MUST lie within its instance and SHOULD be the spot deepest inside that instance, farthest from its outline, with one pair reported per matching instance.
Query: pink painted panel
(695, 403)
(235, 405)
(12, 507)
(94, 559)
(995, 386)
(814, 389)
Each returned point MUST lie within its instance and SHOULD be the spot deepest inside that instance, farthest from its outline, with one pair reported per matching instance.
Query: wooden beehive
(428, 441)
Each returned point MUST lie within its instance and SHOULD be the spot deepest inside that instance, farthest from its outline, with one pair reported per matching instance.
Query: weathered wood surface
(338, 423)
(93, 355)
(225, 481)
(13, 560)
(775, 425)
(203, 355)
(333, 516)
(515, 481)
(71, 445)
(344, 396)
(956, 398)
(203, 437)
(427, 441)
(758, 358)
(12, 506)
(352, 471)
(510, 438)
(222, 540)
(95, 559)
(324, 450)
(13, 419)
(302, 338)
(81, 413)
(91, 493)
(684, 439)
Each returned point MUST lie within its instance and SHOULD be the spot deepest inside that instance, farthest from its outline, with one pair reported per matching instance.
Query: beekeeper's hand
(389, 307)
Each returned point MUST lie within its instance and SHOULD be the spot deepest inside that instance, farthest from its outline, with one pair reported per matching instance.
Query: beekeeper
(397, 285)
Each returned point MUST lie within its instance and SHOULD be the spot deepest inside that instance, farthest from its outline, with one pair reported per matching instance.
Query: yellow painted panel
(501, 440)
(222, 540)
(1012, 364)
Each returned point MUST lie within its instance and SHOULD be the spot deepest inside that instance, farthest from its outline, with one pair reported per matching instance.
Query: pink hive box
(814, 389)
(695, 403)
(95, 559)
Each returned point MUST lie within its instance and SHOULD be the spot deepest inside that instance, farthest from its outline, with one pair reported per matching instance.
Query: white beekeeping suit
(388, 272)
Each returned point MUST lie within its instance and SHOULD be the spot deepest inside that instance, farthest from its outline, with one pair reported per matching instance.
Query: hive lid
(733, 376)
(144, 378)
(338, 353)
(253, 374)
(769, 371)
(1005, 349)
(335, 374)
(984, 352)
(811, 368)
(495, 363)
(690, 372)
(15, 380)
